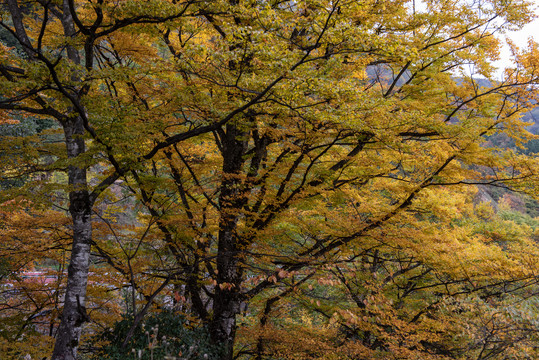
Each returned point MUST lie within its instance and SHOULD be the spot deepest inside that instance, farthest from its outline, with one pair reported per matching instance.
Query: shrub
(164, 335)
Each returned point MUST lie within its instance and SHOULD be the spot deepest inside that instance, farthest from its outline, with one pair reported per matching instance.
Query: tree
(351, 134)
(46, 76)
(267, 140)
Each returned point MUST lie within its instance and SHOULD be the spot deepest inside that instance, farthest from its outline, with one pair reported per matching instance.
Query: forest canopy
(318, 179)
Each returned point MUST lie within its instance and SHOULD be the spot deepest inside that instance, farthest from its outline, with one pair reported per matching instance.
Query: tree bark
(74, 312)
(227, 300)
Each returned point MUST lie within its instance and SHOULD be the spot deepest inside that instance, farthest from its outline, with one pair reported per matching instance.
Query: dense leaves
(301, 179)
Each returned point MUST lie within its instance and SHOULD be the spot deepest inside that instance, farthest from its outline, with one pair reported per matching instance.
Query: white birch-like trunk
(74, 312)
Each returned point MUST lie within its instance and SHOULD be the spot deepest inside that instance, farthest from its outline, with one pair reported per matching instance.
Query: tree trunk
(227, 300)
(80, 208)
(226, 304)
(74, 312)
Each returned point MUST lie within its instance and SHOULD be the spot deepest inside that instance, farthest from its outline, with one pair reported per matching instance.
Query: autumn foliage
(288, 179)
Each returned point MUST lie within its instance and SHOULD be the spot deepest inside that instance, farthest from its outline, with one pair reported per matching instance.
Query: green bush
(165, 335)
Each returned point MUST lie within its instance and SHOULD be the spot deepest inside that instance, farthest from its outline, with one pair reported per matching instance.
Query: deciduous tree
(268, 140)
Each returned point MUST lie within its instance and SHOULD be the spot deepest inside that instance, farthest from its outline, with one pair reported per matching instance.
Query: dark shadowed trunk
(231, 200)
